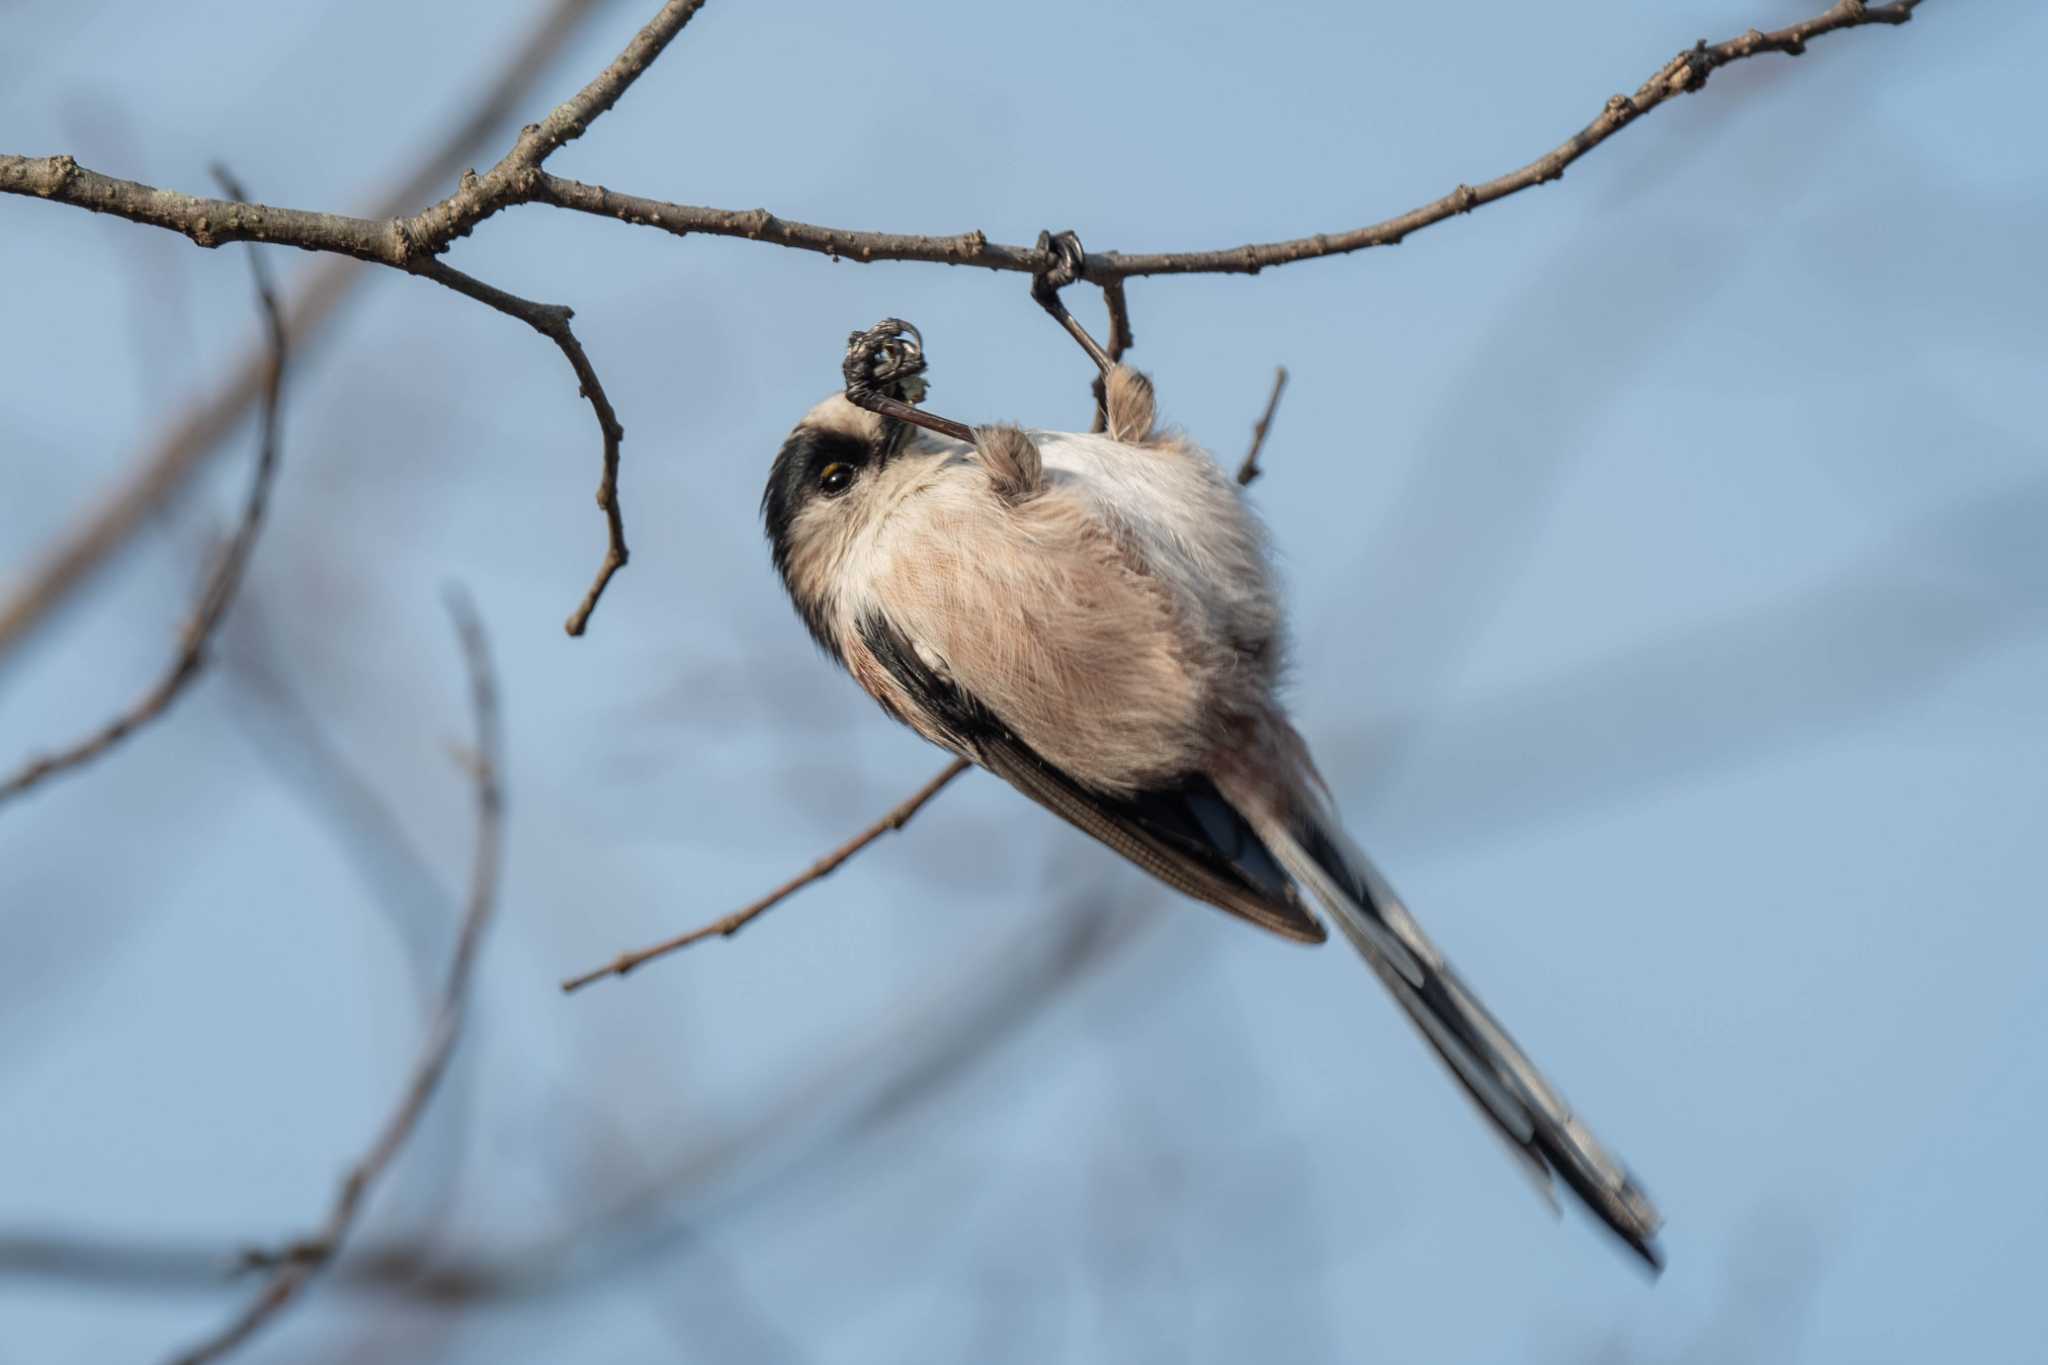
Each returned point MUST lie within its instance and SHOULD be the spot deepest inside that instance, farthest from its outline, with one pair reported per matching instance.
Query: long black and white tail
(1534, 1119)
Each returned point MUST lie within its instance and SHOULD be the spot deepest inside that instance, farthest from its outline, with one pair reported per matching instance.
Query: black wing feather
(1185, 834)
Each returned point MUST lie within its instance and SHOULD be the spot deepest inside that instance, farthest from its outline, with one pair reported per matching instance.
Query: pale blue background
(1667, 554)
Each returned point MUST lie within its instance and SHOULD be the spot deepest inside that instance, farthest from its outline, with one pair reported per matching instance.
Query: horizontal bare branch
(518, 179)
(1686, 72)
(393, 241)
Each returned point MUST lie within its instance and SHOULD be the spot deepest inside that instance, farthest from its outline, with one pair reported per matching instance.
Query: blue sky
(1664, 548)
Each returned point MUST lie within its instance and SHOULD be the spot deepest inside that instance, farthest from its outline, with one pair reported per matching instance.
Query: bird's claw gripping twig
(1065, 262)
(888, 358)
(884, 373)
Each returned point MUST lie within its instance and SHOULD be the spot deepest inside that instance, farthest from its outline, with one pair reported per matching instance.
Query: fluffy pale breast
(1190, 525)
(1079, 616)
(1030, 609)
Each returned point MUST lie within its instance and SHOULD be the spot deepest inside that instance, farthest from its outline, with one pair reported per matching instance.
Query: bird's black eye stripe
(835, 478)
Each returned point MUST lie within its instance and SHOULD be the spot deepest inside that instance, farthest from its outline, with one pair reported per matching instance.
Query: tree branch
(520, 177)
(551, 320)
(1683, 74)
(297, 1263)
(205, 427)
(221, 584)
(818, 871)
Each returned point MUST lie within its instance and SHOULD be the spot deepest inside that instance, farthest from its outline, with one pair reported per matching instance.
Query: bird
(1092, 617)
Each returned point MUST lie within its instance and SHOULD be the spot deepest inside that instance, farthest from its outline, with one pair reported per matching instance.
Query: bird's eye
(836, 479)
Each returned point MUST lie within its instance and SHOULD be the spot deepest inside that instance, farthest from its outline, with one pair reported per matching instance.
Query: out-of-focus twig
(1250, 470)
(824, 867)
(221, 585)
(777, 1155)
(291, 1268)
(190, 438)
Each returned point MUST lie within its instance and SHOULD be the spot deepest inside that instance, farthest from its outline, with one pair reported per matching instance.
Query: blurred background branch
(291, 1267)
(222, 583)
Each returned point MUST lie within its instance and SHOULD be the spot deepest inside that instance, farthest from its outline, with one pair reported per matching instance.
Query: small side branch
(1250, 470)
(517, 175)
(824, 867)
(221, 585)
(292, 1267)
(551, 320)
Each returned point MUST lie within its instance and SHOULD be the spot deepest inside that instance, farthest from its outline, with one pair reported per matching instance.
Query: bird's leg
(1067, 258)
(884, 372)
(1123, 395)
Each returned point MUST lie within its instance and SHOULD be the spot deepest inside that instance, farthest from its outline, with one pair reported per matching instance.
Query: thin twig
(221, 585)
(204, 428)
(291, 1268)
(512, 180)
(1121, 339)
(1250, 470)
(824, 867)
(520, 178)
(551, 320)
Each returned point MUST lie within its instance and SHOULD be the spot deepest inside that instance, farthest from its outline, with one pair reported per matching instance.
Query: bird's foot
(884, 372)
(1064, 262)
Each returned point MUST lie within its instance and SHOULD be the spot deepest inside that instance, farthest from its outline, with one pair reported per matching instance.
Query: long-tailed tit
(1092, 619)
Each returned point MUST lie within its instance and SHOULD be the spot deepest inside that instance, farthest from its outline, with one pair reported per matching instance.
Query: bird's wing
(1184, 833)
